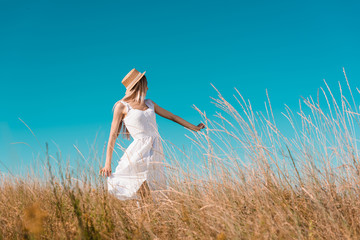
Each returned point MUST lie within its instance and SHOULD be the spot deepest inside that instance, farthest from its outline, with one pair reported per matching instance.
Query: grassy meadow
(254, 183)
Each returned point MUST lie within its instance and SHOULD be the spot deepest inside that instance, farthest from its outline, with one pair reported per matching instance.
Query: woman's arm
(114, 133)
(166, 114)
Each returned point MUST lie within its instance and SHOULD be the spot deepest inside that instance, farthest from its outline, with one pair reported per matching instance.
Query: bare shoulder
(154, 104)
(163, 112)
(119, 108)
(152, 101)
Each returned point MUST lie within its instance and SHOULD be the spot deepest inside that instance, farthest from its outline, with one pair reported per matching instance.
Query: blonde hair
(135, 94)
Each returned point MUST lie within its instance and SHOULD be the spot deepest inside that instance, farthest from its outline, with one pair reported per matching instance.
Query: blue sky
(62, 62)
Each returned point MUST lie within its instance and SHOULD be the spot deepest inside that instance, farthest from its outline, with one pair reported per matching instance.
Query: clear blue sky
(62, 62)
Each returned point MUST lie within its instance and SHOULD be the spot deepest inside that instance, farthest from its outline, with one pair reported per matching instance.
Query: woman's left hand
(200, 126)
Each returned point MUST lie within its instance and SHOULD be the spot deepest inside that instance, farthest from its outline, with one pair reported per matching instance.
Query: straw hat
(132, 78)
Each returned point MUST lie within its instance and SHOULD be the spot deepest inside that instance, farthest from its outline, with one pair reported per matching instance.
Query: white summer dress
(143, 159)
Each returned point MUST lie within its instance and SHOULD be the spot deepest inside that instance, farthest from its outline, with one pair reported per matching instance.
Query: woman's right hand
(105, 171)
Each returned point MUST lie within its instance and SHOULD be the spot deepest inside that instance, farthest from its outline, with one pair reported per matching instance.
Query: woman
(140, 169)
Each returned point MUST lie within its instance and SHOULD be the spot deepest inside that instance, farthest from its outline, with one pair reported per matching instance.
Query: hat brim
(135, 81)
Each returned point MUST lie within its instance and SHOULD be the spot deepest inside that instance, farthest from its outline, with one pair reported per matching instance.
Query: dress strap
(150, 103)
(127, 105)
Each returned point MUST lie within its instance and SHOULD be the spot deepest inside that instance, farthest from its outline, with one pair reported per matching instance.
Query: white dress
(143, 159)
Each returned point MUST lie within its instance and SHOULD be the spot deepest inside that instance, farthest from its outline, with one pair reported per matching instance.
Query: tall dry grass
(251, 182)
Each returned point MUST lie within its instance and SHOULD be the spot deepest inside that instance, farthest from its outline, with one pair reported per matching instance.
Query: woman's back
(141, 123)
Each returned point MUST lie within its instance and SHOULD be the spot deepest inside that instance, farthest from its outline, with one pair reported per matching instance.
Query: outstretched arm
(166, 114)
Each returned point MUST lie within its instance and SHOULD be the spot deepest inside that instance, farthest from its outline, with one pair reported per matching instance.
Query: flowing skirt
(142, 160)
